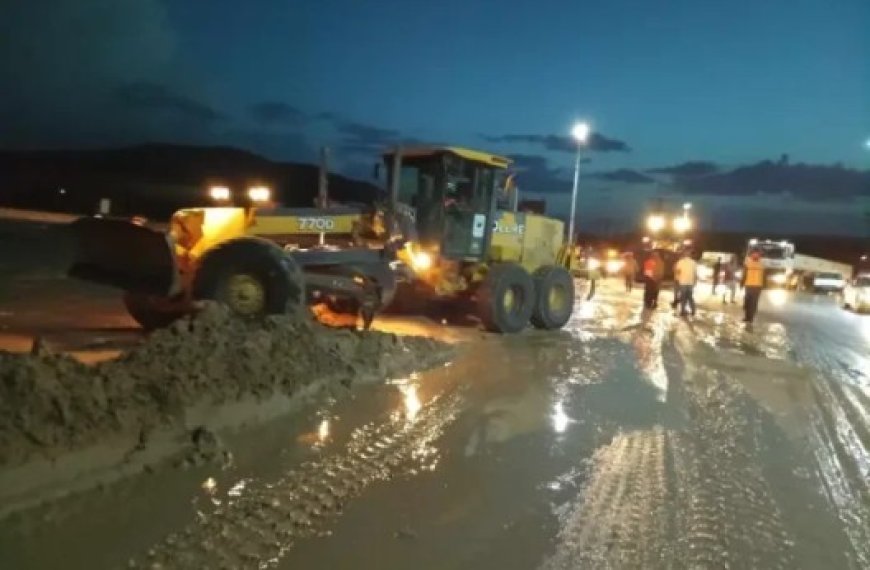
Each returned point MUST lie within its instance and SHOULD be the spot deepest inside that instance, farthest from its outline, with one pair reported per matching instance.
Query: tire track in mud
(694, 497)
(622, 521)
(256, 524)
(841, 442)
(727, 517)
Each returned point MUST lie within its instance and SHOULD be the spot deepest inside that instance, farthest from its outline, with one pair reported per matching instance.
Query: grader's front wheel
(252, 277)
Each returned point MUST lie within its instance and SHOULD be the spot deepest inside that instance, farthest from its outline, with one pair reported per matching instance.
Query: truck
(777, 257)
(785, 268)
(819, 274)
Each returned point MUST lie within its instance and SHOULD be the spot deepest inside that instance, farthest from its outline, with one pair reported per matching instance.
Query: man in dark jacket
(653, 272)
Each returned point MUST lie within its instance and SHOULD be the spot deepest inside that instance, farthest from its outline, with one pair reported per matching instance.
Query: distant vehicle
(807, 268)
(777, 257)
(856, 294)
(829, 282)
(708, 262)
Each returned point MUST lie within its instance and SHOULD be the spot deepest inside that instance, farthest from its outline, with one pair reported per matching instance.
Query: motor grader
(472, 249)
(441, 236)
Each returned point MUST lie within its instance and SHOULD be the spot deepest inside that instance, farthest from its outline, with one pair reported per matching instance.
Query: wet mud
(51, 404)
(630, 440)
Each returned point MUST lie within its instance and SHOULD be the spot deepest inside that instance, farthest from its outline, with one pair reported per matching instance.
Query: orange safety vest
(754, 273)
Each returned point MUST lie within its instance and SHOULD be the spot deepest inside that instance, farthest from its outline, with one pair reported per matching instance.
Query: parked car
(826, 282)
(856, 294)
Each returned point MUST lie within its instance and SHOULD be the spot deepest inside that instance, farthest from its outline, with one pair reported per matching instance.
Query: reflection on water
(777, 297)
(560, 418)
(647, 344)
(410, 400)
(209, 485)
(323, 430)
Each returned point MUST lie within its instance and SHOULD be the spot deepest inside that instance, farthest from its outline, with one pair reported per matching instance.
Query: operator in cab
(753, 282)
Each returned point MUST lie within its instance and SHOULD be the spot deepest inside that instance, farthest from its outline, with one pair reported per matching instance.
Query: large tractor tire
(153, 312)
(554, 297)
(506, 298)
(252, 277)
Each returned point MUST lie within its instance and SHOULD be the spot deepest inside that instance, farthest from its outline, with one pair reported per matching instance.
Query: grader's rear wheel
(554, 297)
(506, 298)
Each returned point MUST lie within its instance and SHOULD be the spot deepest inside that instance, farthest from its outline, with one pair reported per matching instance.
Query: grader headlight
(219, 193)
(421, 261)
(259, 194)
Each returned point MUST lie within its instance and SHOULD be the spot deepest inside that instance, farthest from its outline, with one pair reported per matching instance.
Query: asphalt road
(629, 440)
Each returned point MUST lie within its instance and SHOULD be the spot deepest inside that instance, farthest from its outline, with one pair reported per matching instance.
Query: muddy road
(630, 440)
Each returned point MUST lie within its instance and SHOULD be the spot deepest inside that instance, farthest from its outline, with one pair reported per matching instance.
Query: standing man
(653, 270)
(685, 274)
(629, 270)
(730, 280)
(717, 270)
(753, 282)
(649, 284)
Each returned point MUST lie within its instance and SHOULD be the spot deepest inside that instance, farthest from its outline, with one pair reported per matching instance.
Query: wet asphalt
(632, 439)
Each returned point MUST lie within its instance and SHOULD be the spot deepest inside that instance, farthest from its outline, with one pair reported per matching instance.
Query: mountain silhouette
(156, 179)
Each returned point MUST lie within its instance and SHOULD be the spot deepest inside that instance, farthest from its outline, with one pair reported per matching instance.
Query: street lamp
(580, 132)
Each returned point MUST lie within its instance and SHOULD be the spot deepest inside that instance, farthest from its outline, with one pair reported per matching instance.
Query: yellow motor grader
(449, 232)
(470, 246)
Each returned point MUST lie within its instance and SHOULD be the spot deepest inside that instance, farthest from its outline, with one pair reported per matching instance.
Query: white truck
(777, 257)
(821, 275)
(784, 268)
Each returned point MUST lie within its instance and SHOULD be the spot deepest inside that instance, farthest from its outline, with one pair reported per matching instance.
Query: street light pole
(580, 133)
(574, 198)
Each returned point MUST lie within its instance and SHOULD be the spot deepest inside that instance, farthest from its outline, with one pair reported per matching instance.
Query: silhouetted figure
(717, 269)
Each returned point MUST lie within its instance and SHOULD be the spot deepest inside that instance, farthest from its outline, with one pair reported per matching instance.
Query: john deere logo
(505, 228)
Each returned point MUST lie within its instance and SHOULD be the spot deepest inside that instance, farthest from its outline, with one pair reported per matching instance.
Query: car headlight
(614, 265)
(259, 193)
(593, 263)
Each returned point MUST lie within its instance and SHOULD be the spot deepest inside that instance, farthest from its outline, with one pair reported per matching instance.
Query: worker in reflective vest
(753, 282)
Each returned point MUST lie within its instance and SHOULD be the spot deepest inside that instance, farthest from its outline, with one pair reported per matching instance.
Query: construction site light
(655, 223)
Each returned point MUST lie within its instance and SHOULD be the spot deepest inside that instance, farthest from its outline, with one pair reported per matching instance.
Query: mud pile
(51, 403)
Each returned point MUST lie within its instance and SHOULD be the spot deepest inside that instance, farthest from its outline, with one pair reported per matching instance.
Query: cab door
(468, 207)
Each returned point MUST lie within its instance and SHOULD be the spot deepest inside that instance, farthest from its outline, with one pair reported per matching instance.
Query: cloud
(559, 143)
(362, 138)
(691, 168)
(535, 175)
(361, 131)
(277, 113)
(153, 97)
(624, 175)
(802, 181)
(71, 59)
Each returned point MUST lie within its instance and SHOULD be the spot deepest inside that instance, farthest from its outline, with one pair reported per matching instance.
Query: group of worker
(725, 274)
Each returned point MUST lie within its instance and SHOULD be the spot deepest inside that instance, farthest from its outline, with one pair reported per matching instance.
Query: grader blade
(122, 254)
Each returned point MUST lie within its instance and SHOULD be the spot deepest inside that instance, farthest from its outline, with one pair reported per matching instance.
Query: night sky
(758, 111)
